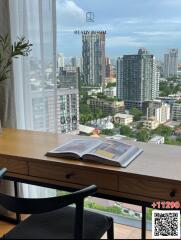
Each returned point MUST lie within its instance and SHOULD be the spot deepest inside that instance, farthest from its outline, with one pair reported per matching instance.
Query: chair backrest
(3, 171)
(43, 205)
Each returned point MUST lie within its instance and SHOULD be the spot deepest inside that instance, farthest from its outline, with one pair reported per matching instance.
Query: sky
(130, 24)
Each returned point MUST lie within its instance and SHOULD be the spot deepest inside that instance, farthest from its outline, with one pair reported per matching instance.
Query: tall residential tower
(137, 78)
(93, 54)
(170, 63)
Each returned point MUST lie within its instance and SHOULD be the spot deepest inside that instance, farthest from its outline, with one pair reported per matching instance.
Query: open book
(111, 152)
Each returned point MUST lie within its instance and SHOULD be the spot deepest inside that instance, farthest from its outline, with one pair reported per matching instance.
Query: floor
(121, 231)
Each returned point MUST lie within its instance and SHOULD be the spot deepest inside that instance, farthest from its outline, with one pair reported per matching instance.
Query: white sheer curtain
(35, 76)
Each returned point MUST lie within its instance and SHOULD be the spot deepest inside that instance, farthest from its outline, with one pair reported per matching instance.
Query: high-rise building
(119, 77)
(60, 60)
(76, 62)
(93, 54)
(57, 109)
(68, 77)
(109, 68)
(170, 63)
(137, 79)
(66, 116)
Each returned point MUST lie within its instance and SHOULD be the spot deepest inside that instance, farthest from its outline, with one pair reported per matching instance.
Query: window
(125, 59)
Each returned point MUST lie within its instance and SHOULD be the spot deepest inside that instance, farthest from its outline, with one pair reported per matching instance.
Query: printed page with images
(77, 146)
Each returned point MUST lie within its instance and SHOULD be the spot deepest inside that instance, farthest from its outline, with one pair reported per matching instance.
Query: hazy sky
(130, 24)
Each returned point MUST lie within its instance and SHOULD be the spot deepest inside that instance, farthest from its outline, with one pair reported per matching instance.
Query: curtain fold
(35, 75)
(7, 107)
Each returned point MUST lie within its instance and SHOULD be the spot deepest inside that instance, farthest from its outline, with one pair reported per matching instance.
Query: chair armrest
(43, 205)
(3, 171)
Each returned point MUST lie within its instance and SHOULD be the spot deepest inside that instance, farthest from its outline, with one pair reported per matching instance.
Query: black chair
(53, 218)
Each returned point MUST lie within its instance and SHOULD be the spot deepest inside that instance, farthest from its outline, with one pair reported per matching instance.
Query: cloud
(154, 33)
(160, 33)
(168, 21)
(127, 20)
(119, 41)
(69, 13)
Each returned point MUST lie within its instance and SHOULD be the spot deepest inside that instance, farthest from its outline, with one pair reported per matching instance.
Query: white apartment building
(159, 111)
(124, 119)
(151, 124)
(162, 114)
(63, 118)
(110, 92)
(60, 60)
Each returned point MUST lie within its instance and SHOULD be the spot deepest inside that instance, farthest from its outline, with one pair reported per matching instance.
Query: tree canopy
(136, 113)
(143, 135)
(163, 130)
(125, 130)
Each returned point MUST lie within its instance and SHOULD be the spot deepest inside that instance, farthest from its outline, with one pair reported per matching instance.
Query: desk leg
(143, 223)
(18, 216)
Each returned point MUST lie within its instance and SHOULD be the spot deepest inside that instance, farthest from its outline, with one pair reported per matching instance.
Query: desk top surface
(157, 161)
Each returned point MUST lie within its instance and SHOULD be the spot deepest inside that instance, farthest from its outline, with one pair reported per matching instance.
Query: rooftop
(156, 138)
(122, 115)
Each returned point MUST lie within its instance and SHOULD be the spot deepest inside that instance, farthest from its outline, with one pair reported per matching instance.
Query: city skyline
(154, 25)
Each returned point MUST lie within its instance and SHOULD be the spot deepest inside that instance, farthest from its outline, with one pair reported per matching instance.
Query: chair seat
(60, 225)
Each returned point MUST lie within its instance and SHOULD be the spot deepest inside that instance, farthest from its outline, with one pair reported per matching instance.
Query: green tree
(108, 132)
(163, 130)
(178, 140)
(110, 84)
(170, 141)
(125, 130)
(143, 135)
(98, 113)
(85, 109)
(136, 113)
(165, 89)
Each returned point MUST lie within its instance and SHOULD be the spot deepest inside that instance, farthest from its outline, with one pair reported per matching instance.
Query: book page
(111, 149)
(77, 146)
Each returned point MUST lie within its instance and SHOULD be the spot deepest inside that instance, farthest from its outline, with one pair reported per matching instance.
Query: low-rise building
(150, 124)
(158, 110)
(124, 119)
(110, 92)
(91, 89)
(102, 123)
(109, 107)
(121, 137)
(94, 91)
(176, 112)
(157, 140)
(85, 130)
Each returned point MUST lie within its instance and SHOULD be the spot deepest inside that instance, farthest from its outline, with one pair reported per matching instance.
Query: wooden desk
(154, 175)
